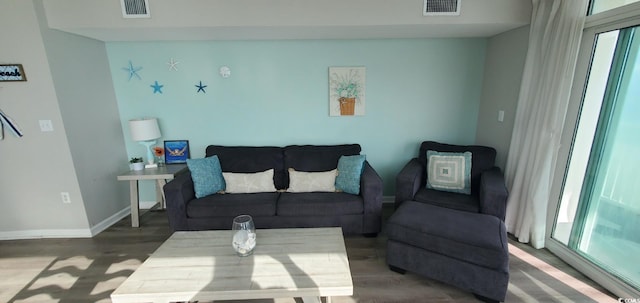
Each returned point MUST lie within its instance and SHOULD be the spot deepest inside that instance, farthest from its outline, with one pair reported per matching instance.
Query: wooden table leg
(135, 206)
(160, 192)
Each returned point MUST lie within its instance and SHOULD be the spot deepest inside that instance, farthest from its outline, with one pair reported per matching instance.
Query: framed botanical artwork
(346, 91)
(176, 151)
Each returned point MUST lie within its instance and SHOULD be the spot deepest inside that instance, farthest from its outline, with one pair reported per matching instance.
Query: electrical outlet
(65, 197)
(46, 125)
(500, 116)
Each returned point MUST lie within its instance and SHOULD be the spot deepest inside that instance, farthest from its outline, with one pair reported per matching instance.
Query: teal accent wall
(278, 94)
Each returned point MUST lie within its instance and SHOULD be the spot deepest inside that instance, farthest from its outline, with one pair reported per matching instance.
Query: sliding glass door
(599, 212)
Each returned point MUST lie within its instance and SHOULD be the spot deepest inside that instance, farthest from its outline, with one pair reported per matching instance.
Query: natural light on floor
(556, 273)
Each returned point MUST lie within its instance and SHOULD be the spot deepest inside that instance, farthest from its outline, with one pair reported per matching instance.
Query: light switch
(46, 126)
(500, 115)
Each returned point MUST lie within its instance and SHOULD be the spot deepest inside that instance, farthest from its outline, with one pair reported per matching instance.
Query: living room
(426, 79)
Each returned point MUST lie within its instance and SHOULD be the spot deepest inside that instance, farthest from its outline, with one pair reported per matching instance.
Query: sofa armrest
(178, 192)
(493, 193)
(371, 189)
(409, 181)
(371, 192)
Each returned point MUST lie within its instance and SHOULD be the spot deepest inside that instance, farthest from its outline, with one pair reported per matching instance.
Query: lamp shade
(144, 129)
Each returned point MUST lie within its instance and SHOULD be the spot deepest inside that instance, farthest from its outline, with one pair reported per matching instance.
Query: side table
(161, 174)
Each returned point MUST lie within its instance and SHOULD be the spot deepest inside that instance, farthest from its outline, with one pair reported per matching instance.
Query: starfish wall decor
(133, 71)
(173, 65)
(157, 88)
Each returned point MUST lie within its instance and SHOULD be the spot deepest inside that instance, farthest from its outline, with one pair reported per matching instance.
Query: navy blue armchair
(488, 190)
(459, 239)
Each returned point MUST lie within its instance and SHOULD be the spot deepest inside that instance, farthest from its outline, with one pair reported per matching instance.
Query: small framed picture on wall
(176, 151)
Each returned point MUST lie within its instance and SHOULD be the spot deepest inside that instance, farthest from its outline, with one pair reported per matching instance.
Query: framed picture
(346, 91)
(176, 151)
(12, 72)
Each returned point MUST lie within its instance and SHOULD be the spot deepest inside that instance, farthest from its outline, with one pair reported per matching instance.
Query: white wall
(504, 64)
(89, 109)
(38, 166)
(68, 83)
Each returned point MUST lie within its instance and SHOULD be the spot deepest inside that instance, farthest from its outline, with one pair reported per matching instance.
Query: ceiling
(284, 19)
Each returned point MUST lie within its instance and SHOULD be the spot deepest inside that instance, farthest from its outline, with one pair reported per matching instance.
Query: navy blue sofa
(356, 214)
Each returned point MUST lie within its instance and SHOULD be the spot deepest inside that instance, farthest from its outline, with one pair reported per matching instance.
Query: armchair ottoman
(459, 248)
(452, 230)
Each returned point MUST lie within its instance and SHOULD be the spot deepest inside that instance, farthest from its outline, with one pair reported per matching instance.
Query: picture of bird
(177, 152)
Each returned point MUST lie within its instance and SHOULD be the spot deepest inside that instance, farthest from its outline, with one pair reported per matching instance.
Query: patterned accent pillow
(206, 175)
(349, 171)
(449, 171)
(246, 183)
(304, 182)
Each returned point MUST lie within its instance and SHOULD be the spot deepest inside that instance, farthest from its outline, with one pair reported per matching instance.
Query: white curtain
(554, 39)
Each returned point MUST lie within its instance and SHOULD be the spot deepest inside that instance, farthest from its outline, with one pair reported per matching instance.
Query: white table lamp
(146, 131)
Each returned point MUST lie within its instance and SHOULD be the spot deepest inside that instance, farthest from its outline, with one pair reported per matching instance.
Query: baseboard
(45, 233)
(66, 233)
(106, 223)
(147, 204)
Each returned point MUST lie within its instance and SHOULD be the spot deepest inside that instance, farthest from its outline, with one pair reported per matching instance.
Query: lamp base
(150, 157)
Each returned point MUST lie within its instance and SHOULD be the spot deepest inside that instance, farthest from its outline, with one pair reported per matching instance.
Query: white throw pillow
(245, 183)
(302, 182)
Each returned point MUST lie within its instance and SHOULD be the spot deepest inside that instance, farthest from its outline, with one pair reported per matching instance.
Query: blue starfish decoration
(133, 71)
(157, 88)
(201, 88)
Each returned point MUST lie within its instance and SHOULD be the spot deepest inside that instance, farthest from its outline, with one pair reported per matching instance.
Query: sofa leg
(485, 299)
(397, 269)
(370, 235)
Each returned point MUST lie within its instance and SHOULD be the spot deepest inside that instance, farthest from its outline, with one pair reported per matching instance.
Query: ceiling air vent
(135, 8)
(441, 8)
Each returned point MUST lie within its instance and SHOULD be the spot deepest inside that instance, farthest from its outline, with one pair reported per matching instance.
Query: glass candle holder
(244, 235)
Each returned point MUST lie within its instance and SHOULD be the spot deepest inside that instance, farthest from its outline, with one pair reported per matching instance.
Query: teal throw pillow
(206, 174)
(449, 171)
(349, 171)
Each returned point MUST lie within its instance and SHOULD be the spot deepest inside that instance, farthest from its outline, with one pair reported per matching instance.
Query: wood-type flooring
(88, 270)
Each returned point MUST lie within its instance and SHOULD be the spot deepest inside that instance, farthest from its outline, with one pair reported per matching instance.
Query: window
(598, 6)
(598, 215)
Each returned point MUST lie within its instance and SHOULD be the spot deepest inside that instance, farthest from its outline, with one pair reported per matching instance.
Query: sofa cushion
(475, 238)
(483, 158)
(206, 175)
(251, 159)
(246, 183)
(349, 171)
(304, 182)
(449, 200)
(319, 204)
(314, 158)
(449, 171)
(231, 205)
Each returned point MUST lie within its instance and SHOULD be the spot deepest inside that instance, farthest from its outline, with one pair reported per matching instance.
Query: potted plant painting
(347, 90)
(136, 164)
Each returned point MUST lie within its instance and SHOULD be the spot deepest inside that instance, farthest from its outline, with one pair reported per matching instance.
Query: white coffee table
(201, 266)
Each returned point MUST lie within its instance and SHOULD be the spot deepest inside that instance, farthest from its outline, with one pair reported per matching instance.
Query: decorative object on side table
(346, 91)
(136, 164)
(159, 153)
(146, 131)
(244, 235)
(176, 151)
